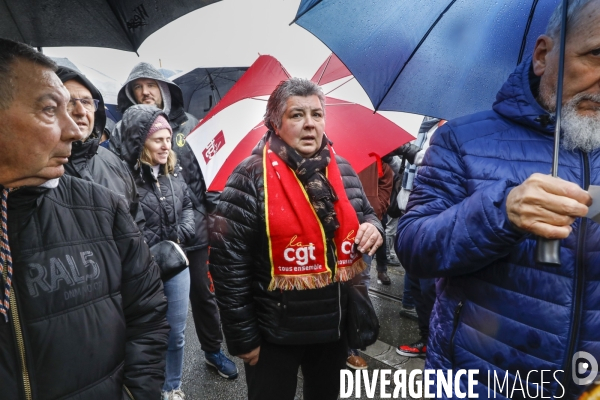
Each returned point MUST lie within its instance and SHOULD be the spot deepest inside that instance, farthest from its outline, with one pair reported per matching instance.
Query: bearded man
(481, 197)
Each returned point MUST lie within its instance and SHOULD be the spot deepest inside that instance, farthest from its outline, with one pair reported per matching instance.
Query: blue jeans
(177, 291)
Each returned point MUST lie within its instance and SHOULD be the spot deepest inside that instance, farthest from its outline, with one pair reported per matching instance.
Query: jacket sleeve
(186, 228)
(144, 306)
(384, 188)
(357, 195)
(114, 144)
(408, 151)
(135, 209)
(449, 230)
(233, 239)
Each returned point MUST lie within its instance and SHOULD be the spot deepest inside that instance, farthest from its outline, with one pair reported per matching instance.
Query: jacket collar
(515, 101)
(83, 151)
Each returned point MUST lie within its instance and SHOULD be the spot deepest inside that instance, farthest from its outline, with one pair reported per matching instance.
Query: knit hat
(159, 123)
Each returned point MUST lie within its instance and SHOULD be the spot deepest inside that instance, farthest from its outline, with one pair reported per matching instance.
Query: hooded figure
(165, 200)
(153, 88)
(182, 123)
(169, 216)
(94, 163)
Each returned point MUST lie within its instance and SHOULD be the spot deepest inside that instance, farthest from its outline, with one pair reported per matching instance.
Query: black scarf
(311, 173)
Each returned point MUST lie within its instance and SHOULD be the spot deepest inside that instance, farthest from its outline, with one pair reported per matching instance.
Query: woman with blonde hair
(168, 211)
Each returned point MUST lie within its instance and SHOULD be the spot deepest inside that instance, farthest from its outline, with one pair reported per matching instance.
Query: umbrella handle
(547, 251)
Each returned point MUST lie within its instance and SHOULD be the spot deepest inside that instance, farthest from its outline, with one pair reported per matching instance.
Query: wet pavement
(201, 382)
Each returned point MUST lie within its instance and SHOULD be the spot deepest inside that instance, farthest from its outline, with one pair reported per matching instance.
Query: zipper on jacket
(579, 270)
(455, 328)
(128, 392)
(14, 311)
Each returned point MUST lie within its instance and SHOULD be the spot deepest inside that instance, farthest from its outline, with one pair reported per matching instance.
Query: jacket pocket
(457, 312)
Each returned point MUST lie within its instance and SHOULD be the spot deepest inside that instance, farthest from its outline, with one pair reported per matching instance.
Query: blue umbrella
(443, 58)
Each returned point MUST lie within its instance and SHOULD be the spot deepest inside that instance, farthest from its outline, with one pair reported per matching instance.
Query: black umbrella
(203, 87)
(117, 24)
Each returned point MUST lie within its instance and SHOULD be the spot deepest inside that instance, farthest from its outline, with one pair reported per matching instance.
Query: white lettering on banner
(286, 254)
(347, 247)
(315, 267)
(301, 254)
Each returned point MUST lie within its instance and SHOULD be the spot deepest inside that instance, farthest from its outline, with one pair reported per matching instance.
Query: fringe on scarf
(302, 282)
(347, 273)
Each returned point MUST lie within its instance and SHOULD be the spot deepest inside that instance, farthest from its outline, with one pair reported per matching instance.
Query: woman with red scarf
(289, 231)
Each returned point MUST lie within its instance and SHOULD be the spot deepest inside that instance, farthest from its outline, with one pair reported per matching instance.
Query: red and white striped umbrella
(227, 135)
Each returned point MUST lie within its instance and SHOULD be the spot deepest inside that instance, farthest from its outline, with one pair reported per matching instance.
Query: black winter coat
(94, 163)
(169, 215)
(241, 270)
(165, 201)
(89, 301)
(182, 124)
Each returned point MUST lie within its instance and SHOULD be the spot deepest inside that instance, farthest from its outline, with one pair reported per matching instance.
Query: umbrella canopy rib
(526, 33)
(123, 27)
(305, 11)
(213, 86)
(414, 52)
(324, 69)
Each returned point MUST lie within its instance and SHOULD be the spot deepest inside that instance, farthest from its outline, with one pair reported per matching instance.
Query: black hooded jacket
(96, 164)
(182, 124)
(88, 317)
(241, 270)
(165, 201)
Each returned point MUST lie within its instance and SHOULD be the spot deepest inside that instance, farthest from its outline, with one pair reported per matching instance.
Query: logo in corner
(213, 147)
(582, 364)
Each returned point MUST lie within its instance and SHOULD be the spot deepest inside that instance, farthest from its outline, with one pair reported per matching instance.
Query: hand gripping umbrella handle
(548, 250)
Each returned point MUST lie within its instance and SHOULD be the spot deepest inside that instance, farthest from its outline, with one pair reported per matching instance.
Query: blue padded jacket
(498, 310)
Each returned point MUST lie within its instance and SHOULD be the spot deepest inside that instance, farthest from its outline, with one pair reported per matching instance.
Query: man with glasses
(88, 160)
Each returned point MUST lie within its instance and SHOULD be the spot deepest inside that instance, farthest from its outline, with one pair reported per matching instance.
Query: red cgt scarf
(297, 243)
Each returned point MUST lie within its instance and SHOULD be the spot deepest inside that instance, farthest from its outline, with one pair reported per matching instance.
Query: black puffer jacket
(240, 267)
(89, 300)
(182, 124)
(165, 201)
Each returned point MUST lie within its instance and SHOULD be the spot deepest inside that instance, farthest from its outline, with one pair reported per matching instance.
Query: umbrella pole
(548, 250)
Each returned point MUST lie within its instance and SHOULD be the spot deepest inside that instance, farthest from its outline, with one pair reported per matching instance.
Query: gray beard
(580, 132)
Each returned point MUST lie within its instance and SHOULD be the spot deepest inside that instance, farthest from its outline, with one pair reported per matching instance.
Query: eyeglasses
(90, 105)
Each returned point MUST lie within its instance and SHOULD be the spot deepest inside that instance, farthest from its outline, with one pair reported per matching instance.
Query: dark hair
(10, 51)
(286, 89)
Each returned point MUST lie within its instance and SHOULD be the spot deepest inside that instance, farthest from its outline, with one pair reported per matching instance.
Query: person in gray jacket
(88, 160)
(146, 85)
